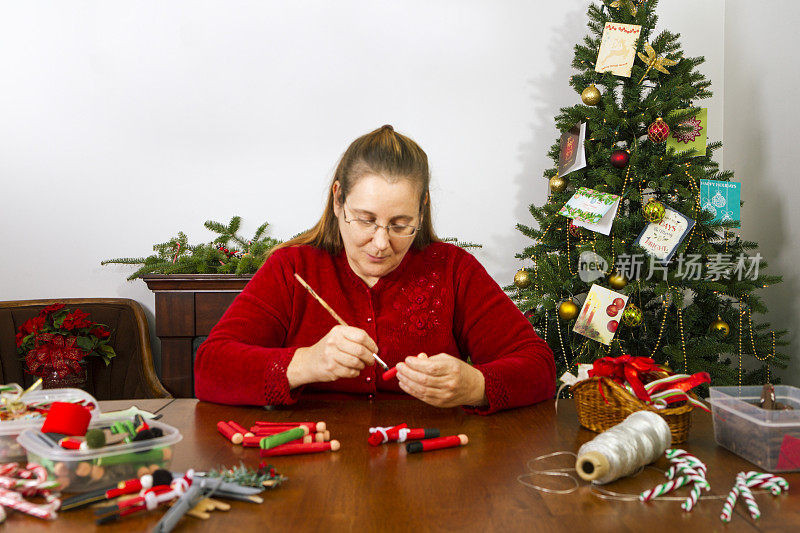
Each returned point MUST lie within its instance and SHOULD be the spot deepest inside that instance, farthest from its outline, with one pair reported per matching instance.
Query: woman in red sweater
(421, 304)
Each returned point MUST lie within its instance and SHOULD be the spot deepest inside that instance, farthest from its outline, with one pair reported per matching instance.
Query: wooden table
(472, 488)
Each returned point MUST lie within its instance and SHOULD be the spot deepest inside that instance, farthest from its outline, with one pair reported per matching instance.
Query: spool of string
(619, 451)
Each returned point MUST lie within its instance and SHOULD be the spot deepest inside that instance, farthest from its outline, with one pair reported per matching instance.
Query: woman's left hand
(442, 380)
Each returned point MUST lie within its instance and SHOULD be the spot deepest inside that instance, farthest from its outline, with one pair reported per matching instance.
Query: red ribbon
(625, 368)
(685, 384)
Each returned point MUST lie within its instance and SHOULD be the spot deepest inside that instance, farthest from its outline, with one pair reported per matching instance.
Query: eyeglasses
(369, 227)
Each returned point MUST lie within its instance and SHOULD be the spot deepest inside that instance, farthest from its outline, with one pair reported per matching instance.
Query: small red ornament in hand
(612, 326)
(658, 131)
(620, 158)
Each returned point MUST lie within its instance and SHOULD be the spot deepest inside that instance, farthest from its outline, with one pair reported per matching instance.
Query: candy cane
(664, 488)
(730, 501)
(747, 496)
(691, 501)
(14, 500)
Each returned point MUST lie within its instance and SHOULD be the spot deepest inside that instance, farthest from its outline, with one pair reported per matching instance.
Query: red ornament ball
(612, 310)
(612, 326)
(658, 131)
(618, 302)
(620, 158)
(574, 230)
(530, 313)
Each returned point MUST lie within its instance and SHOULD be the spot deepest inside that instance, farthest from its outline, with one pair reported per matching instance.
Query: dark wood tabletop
(471, 488)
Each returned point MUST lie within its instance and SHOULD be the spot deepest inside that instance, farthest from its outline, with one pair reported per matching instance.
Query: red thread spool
(297, 449)
(240, 429)
(436, 444)
(229, 433)
(67, 419)
(389, 374)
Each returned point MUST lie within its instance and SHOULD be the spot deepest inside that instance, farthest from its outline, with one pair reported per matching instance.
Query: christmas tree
(684, 283)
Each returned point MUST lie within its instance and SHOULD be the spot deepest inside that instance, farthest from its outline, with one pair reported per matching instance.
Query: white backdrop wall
(122, 123)
(761, 116)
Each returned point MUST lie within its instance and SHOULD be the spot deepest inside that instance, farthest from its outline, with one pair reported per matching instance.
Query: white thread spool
(635, 442)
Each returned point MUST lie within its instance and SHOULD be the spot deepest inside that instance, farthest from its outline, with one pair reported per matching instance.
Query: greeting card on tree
(662, 239)
(618, 48)
(722, 199)
(571, 155)
(600, 314)
(690, 134)
(592, 209)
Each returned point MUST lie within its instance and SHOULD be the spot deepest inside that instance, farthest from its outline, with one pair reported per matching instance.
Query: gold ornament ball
(558, 184)
(590, 95)
(568, 310)
(720, 327)
(654, 211)
(632, 316)
(617, 281)
(522, 279)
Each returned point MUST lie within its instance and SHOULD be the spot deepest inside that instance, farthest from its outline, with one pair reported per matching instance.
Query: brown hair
(383, 152)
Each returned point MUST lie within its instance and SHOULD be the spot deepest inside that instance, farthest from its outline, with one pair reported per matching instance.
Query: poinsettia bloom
(51, 309)
(33, 325)
(20, 337)
(100, 333)
(76, 320)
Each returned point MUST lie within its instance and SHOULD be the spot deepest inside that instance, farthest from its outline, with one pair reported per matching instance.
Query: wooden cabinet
(187, 307)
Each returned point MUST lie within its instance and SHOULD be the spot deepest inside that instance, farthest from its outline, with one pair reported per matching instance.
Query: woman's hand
(341, 353)
(442, 380)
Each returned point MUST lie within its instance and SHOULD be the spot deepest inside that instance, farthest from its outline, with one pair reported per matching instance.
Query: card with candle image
(617, 48)
(571, 155)
(600, 314)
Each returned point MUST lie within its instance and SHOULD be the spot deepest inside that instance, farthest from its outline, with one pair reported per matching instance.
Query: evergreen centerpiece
(177, 256)
(683, 284)
(55, 343)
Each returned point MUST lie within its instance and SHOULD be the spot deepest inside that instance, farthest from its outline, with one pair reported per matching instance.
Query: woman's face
(374, 199)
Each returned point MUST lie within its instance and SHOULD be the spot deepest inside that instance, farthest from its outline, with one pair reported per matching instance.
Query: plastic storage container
(10, 450)
(84, 470)
(770, 439)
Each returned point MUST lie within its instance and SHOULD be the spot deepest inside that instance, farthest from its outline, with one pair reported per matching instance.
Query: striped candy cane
(691, 501)
(14, 500)
(664, 488)
(747, 496)
(730, 501)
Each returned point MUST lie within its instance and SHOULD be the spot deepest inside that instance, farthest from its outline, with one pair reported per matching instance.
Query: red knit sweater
(438, 300)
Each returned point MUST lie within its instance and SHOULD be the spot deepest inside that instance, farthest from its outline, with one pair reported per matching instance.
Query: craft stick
(297, 449)
(332, 313)
(312, 426)
(284, 437)
(229, 433)
(436, 444)
(240, 429)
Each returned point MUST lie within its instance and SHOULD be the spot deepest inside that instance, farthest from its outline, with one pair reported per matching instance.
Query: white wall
(122, 123)
(761, 118)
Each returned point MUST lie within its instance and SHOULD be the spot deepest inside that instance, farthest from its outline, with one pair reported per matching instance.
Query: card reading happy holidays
(571, 155)
(722, 199)
(662, 239)
(618, 48)
(600, 314)
(592, 209)
(690, 134)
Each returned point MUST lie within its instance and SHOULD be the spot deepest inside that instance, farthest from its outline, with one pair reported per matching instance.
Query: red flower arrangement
(58, 340)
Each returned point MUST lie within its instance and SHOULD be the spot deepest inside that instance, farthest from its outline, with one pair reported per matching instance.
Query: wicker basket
(599, 414)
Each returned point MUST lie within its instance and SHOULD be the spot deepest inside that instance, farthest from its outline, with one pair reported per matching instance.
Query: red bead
(658, 131)
(620, 158)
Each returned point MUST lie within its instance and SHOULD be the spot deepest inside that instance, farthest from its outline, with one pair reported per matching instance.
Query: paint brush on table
(335, 316)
